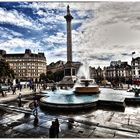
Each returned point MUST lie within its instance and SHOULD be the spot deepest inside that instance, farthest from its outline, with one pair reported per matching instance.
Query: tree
(42, 77)
(50, 75)
(5, 70)
(58, 76)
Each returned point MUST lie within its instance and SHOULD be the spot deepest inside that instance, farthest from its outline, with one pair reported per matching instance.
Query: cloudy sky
(101, 31)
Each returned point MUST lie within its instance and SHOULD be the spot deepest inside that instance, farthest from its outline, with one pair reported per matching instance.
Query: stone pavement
(94, 124)
(10, 97)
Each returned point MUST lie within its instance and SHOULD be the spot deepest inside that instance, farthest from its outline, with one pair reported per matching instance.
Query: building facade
(55, 67)
(118, 71)
(27, 66)
(135, 63)
(97, 74)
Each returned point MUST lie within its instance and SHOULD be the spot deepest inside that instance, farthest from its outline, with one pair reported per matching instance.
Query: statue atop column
(68, 10)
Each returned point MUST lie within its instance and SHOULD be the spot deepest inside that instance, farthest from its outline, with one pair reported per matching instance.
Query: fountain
(85, 85)
(82, 95)
(87, 88)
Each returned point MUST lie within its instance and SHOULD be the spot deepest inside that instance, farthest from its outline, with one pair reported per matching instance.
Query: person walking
(35, 110)
(35, 113)
(19, 100)
(20, 87)
(35, 104)
(57, 127)
(14, 90)
(36, 120)
(52, 130)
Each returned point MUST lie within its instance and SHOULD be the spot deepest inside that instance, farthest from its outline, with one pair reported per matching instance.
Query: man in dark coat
(57, 127)
(52, 130)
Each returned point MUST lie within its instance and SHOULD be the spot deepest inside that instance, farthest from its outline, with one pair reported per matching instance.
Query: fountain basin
(63, 99)
(82, 90)
(60, 100)
(70, 106)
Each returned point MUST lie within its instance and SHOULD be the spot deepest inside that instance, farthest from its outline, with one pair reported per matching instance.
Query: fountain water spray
(83, 72)
(83, 76)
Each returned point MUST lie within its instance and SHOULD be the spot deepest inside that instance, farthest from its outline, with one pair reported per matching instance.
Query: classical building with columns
(27, 66)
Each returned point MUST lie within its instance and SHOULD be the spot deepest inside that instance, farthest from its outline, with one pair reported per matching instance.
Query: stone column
(68, 18)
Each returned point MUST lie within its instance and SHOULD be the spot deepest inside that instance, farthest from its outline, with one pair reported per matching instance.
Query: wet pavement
(11, 97)
(92, 124)
(95, 124)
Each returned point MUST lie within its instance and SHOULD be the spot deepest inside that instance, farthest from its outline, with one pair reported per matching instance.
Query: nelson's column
(69, 68)
(68, 18)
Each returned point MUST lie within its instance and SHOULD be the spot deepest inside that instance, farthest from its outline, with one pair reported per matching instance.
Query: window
(73, 72)
(67, 72)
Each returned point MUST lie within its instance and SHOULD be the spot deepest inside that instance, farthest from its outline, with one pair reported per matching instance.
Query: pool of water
(69, 97)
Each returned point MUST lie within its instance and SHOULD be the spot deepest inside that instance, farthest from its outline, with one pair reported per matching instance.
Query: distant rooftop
(27, 53)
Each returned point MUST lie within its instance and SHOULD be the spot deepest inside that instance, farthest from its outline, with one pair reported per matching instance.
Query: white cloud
(59, 38)
(12, 44)
(109, 30)
(82, 6)
(6, 33)
(49, 16)
(19, 19)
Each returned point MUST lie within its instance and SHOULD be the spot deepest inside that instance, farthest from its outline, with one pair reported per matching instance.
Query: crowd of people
(14, 88)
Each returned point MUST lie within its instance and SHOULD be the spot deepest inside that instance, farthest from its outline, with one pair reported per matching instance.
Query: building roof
(27, 53)
(119, 65)
(136, 59)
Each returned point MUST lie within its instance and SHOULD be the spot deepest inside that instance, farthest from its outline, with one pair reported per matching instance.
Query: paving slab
(18, 135)
(120, 127)
(120, 134)
(83, 132)
(41, 119)
(46, 124)
(86, 121)
(64, 127)
(105, 130)
(86, 126)
(111, 125)
(134, 122)
(16, 117)
(38, 131)
(100, 134)
(138, 135)
(120, 120)
(131, 127)
(5, 121)
(70, 135)
(13, 124)
(23, 127)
